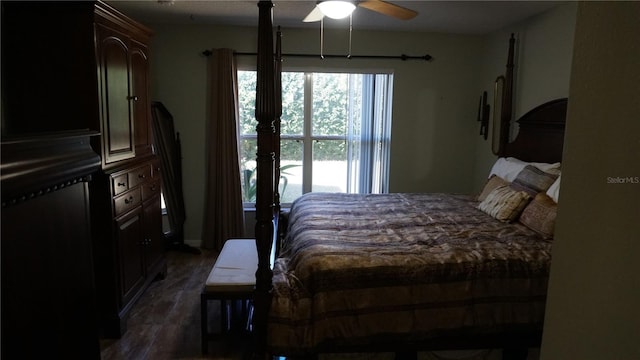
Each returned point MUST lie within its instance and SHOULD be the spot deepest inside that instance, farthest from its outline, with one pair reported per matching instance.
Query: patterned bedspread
(361, 269)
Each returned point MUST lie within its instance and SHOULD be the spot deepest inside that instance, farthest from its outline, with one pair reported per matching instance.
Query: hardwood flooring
(165, 322)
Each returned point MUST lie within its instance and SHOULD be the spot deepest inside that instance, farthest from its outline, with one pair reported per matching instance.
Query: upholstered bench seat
(232, 278)
(235, 269)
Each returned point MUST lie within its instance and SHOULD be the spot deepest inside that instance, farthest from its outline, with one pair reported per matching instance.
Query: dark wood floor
(165, 322)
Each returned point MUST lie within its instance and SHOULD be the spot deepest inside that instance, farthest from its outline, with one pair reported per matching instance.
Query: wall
(435, 142)
(594, 289)
(434, 106)
(544, 46)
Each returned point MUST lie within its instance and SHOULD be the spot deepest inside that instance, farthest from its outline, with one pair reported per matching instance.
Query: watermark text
(623, 179)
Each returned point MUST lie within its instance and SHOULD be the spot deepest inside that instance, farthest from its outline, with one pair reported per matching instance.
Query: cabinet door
(47, 278)
(153, 232)
(140, 96)
(115, 109)
(130, 253)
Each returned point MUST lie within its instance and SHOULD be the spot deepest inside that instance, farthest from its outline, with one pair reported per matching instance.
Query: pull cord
(350, 31)
(322, 38)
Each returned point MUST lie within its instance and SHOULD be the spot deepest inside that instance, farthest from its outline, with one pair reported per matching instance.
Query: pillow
(493, 182)
(554, 190)
(533, 180)
(540, 215)
(504, 203)
(508, 168)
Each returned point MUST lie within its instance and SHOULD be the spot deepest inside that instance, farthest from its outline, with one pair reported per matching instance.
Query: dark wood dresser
(83, 67)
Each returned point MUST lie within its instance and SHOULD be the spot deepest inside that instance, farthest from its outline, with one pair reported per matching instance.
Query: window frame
(307, 137)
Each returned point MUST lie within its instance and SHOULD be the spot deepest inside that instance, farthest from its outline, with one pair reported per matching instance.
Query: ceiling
(460, 17)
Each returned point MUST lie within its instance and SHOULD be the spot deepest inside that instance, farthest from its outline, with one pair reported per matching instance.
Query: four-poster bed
(424, 285)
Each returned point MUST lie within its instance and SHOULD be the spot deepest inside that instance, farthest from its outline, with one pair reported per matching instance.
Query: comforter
(402, 268)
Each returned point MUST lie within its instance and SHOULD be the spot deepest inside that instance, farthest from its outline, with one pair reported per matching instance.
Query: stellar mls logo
(623, 180)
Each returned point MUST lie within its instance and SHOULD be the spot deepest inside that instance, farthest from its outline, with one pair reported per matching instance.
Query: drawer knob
(129, 200)
(142, 176)
(122, 184)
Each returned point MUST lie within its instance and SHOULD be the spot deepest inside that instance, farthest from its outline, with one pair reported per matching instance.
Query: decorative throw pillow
(493, 182)
(504, 203)
(533, 180)
(540, 215)
(508, 168)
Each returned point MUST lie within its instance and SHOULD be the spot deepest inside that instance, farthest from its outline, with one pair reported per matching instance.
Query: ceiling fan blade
(315, 15)
(389, 9)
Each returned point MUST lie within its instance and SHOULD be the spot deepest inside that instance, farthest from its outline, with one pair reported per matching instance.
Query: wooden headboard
(541, 133)
(541, 130)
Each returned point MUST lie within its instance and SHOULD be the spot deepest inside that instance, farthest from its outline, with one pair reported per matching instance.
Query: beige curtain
(223, 211)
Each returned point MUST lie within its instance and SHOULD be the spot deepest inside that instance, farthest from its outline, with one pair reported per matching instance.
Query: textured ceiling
(462, 17)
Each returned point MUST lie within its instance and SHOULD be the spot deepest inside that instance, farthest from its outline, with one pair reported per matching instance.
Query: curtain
(223, 209)
(369, 133)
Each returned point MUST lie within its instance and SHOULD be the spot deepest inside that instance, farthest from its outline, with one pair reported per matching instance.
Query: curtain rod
(402, 57)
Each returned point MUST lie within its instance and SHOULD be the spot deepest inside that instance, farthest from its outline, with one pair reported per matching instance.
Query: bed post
(264, 230)
(507, 101)
(276, 135)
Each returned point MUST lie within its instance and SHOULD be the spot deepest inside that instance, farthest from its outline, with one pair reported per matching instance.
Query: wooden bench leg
(204, 323)
(224, 316)
(249, 317)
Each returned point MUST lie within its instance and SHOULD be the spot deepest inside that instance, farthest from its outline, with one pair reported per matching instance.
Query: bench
(232, 279)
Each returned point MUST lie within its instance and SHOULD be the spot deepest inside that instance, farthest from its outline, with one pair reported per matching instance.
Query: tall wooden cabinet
(84, 66)
(129, 249)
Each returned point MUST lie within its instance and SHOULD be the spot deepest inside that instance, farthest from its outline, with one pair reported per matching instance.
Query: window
(335, 133)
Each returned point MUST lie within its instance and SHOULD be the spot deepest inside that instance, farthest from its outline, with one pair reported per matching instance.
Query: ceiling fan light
(337, 9)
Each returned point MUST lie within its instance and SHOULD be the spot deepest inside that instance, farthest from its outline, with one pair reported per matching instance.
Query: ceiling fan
(338, 9)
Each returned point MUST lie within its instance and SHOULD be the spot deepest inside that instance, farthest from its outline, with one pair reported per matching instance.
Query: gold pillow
(493, 182)
(504, 203)
(540, 215)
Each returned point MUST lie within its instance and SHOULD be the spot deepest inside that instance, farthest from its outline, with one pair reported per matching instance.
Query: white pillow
(509, 168)
(554, 190)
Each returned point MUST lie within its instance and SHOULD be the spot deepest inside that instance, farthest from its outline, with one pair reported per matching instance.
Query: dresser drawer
(120, 184)
(149, 189)
(139, 175)
(126, 201)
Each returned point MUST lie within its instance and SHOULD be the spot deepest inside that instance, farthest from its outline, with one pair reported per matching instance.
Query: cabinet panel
(116, 110)
(154, 249)
(141, 100)
(130, 251)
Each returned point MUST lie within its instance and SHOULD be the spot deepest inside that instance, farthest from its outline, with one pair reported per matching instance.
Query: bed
(404, 272)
